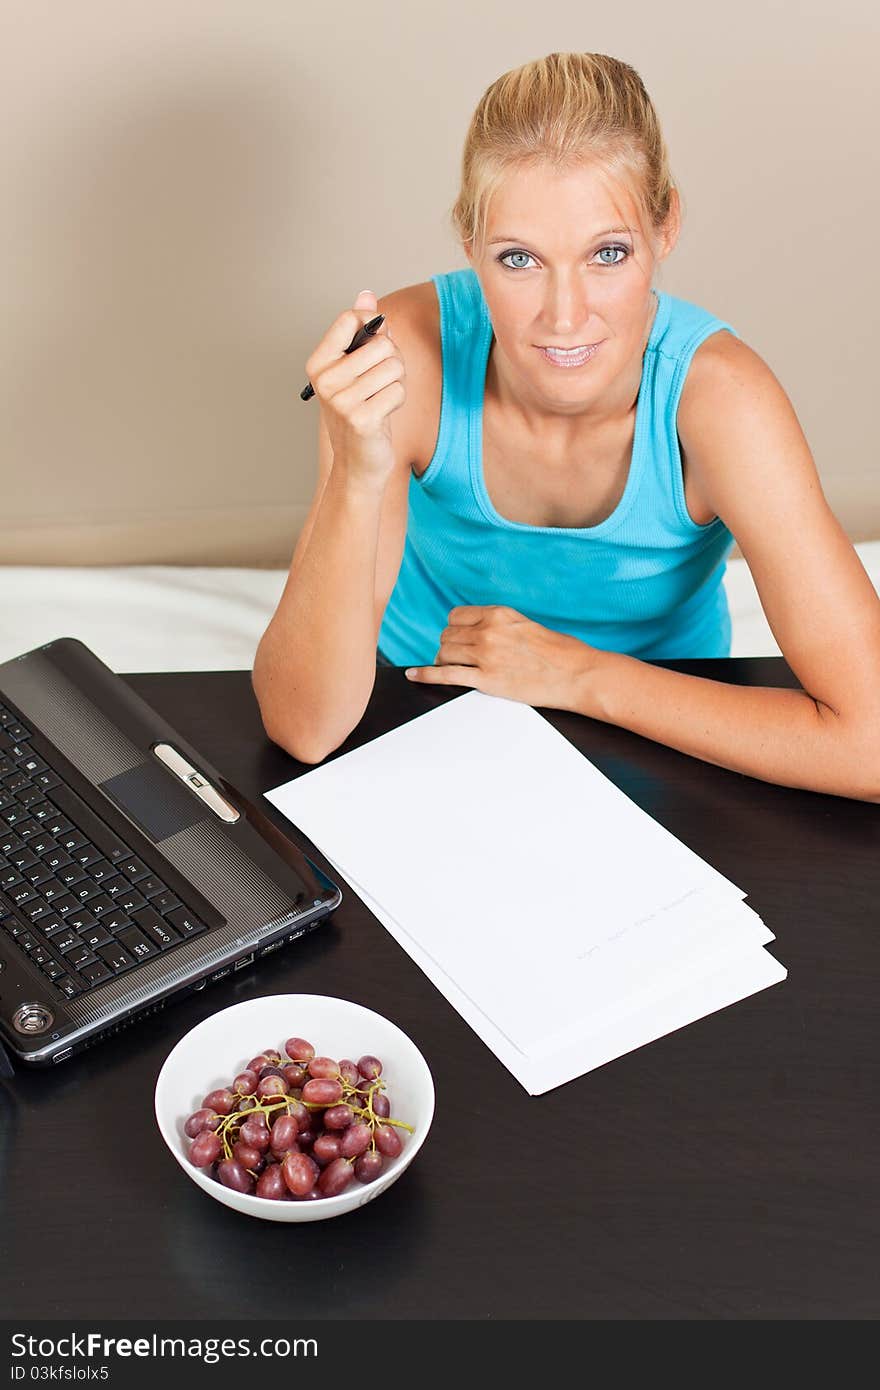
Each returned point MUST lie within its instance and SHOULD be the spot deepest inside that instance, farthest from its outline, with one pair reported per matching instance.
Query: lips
(570, 357)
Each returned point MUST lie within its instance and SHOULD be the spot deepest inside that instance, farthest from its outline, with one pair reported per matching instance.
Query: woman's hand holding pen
(501, 652)
(358, 389)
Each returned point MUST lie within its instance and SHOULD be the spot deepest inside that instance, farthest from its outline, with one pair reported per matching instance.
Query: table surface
(728, 1170)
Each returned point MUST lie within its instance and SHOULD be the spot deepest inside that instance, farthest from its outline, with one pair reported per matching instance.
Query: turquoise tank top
(646, 581)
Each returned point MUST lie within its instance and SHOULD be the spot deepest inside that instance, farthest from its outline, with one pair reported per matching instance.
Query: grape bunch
(297, 1126)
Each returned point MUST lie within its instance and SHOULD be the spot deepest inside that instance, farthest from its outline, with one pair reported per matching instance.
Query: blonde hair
(565, 109)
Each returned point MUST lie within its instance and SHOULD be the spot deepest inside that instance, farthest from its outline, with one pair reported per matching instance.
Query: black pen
(364, 332)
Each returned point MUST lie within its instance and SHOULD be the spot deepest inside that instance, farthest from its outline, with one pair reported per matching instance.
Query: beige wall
(190, 191)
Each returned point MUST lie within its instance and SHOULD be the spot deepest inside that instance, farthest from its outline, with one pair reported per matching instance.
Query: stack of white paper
(563, 923)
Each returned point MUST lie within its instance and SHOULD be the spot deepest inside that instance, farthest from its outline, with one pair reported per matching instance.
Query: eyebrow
(612, 231)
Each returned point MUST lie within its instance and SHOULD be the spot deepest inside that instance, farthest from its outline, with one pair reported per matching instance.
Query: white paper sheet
(527, 881)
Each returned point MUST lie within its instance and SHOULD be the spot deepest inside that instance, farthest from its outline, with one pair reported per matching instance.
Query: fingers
(469, 676)
(340, 333)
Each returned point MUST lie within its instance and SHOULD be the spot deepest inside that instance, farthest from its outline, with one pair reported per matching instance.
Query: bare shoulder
(741, 434)
(724, 373)
(413, 317)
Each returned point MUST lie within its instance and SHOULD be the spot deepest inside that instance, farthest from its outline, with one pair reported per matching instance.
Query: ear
(670, 232)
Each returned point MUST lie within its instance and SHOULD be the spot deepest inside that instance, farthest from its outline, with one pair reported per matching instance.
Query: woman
(530, 477)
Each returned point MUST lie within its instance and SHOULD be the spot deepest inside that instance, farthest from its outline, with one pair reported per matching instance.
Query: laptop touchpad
(155, 800)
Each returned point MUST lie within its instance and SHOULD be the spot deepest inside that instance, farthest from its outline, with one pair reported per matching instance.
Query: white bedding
(169, 618)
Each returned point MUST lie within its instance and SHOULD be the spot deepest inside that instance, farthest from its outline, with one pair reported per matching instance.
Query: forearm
(316, 663)
(781, 736)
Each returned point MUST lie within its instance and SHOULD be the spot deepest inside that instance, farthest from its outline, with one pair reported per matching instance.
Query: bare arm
(315, 664)
(755, 470)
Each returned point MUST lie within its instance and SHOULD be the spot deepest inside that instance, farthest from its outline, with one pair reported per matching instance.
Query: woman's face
(565, 266)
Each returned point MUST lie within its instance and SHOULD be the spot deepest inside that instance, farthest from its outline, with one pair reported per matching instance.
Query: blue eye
(624, 249)
(503, 259)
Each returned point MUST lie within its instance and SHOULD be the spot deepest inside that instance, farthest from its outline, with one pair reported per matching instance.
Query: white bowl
(217, 1049)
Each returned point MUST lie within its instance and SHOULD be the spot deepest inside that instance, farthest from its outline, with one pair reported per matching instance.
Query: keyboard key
(14, 815)
(153, 926)
(9, 842)
(137, 943)
(43, 843)
(96, 936)
(186, 922)
(80, 920)
(70, 839)
(27, 941)
(115, 957)
(86, 855)
(71, 874)
(29, 796)
(51, 925)
(6, 799)
(38, 875)
(65, 941)
(15, 781)
(57, 824)
(21, 893)
(116, 885)
(65, 904)
(70, 986)
(25, 828)
(58, 859)
(101, 870)
(133, 868)
(9, 878)
(33, 765)
(23, 858)
(13, 928)
(85, 890)
(18, 731)
(95, 972)
(100, 904)
(41, 955)
(52, 889)
(130, 900)
(41, 811)
(47, 781)
(79, 956)
(165, 902)
(37, 910)
(116, 920)
(150, 887)
(52, 969)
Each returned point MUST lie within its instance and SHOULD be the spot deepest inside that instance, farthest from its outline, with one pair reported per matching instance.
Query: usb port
(219, 974)
(245, 960)
(62, 1055)
(273, 946)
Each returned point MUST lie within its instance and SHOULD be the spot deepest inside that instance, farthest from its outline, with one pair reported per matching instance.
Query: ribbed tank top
(646, 581)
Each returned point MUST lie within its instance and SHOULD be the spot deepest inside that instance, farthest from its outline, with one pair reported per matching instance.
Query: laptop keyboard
(73, 895)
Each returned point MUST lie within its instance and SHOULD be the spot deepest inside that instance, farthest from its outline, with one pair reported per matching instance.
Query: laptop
(131, 872)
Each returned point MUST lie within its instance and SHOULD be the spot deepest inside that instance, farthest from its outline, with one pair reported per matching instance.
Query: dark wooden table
(727, 1171)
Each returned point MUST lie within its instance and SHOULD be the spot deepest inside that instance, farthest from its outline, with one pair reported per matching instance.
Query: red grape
(355, 1140)
(284, 1134)
(245, 1083)
(295, 1075)
(381, 1105)
(299, 1173)
(271, 1183)
(222, 1101)
(298, 1050)
(335, 1178)
(205, 1148)
(369, 1066)
(368, 1166)
(255, 1134)
(322, 1091)
(199, 1120)
(349, 1072)
(338, 1117)
(231, 1174)
(322, 1067)
(388, 1141)
(327, 1147)
(271, 1086)
(248, 1157)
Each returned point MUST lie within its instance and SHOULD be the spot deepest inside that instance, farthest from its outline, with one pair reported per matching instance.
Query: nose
(567, 307)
